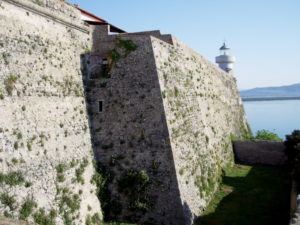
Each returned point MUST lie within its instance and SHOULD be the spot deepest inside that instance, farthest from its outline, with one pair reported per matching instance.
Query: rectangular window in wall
(100, 106)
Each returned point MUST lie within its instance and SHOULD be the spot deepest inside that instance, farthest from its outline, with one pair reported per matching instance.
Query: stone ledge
(45, 12)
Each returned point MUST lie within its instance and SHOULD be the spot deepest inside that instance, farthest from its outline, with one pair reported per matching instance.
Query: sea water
(281, 117)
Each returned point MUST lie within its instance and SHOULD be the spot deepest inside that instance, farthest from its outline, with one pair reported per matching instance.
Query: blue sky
(264, 34)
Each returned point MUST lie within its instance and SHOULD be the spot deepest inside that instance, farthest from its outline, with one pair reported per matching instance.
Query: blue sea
(281, 117)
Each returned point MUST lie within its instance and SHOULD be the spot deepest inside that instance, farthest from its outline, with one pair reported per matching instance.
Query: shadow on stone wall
(189, 216)
(260, 198)
(166, 206)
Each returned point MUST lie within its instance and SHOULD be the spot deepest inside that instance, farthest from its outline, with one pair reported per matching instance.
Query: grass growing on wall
(250, 195)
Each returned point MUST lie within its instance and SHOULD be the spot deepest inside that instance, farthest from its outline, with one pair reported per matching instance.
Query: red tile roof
(91, 15)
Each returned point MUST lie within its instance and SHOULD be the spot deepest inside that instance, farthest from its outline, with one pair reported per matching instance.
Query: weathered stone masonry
(161, 119)
(167, 112)
(45, 150)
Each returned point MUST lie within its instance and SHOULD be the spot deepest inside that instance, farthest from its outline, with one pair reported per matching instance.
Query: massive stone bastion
(46, 155)
(162, 119)
(157, 117)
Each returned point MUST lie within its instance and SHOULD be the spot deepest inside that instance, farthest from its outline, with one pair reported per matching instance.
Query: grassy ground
(117, 224)
(257, 195)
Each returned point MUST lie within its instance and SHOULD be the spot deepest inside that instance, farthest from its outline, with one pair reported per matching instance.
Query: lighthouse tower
(225, 61)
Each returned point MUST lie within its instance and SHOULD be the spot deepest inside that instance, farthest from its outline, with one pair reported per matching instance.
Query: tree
(265, 135)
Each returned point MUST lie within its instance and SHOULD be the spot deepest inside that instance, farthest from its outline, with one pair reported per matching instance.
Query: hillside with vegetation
(290, 91)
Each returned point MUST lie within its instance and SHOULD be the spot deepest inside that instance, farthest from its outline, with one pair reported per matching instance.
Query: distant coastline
(270, 99)
(290, 92)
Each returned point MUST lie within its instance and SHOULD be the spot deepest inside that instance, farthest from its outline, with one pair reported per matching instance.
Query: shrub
(135, 184)
(12, 178)
(42, 218)
(181, 171)
(60, 169)
(19, 136)
(8, 200)
(16, 145)
(27, 208)
(96, 219)
(114, 57)
(38, 2)
(133, 180)
(292, 150)
(266, 135)
(60, 178)
(1, 94)
(14, 161)
(102, 178)
(72, 202)
(5, 58)
(176, 92)
(9, 83)
(80, 171)
(127, 45)
(292, 144)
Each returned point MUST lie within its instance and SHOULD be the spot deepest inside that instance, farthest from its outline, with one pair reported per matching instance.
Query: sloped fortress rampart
(46, 154)
(156, 115)
(162, 109)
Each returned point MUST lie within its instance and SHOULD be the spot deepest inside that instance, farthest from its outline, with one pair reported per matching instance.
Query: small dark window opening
(100, 70)
(104, 61)
(100, 106)
(105, 65)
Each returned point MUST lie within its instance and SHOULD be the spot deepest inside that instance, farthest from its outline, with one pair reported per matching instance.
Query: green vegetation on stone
(27, 209)
(69, 204)
(127, 45)
(16, 145)
(9, 83)
(60, 169)
(102, 178)
(79, 172)
(38, 2)
(42, 218)
(176, 92)
(1, 94)
(246, 133)
(5, 58)
(12, 178)
(114, 55)
(71, 201)
(8, 200)
(135, 185)
(95, 219)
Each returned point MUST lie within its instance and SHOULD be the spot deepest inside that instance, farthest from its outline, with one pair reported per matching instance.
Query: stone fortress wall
(160, 120)
(161, 109)
(45, 150)
(260, 153)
